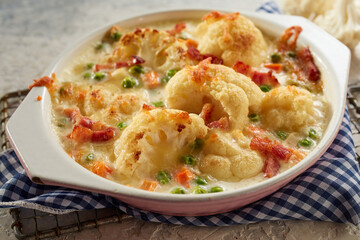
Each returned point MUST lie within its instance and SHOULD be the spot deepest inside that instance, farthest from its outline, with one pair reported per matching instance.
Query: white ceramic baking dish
(45, 161)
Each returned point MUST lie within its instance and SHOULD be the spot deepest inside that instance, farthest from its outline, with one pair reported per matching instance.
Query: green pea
(305, 142)
(200, 181)
(282, 135)
(197, 144)
(163, 177)
(122, 125)
(158, 104)
(136, 70)
(188, 160)
(171, 73)
(275, 58)
(199, 190)
(165, 80)
(178, 191)
(292, 54)
(116, 36)
(89, 65)
(90, 157)
(254, 117)
(100, 46)
(99, 76)
(265, 88)
(87, 75)
(129, 82)
(61, 122)
(313, 134)
(216, 189)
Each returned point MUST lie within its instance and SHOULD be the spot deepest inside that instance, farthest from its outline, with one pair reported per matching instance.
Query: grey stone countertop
(34, 33)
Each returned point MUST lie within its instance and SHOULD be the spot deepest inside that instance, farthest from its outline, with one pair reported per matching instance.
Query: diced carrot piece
(151, 79)
(277, 67)
(149, 185)
(101, 168)
(38, 98)
(184, 176)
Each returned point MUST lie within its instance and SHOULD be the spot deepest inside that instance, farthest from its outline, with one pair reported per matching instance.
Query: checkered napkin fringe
(327, 191)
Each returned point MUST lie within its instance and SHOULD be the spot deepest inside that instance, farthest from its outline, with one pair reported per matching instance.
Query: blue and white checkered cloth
(328, 191)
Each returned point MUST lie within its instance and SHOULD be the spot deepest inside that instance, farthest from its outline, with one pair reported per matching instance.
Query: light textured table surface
(34, 33)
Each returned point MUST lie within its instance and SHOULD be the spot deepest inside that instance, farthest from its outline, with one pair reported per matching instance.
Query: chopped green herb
(178, 191)
(265, 88)
(89, 65)
(100, 46)
(90, 157)
(163, 177)
(254, 117)
(136, 70)
(200, 181)
(158, 104)
(282, 135)
(292, 54)
(199, 190)
(312, 134)
(87, 75)
(99, 76)
(116, 36)
(197, 144)
(275, 58)
(62, 122)
(129, 82)
(171, 73)
(305, 142)
(165, 80)
(188, 160)
(122, 125)
(216, 189)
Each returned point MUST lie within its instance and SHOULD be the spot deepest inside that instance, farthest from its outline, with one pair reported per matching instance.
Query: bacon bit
(101, 168)
(139, 136)
(270, 148)
(277, 67)
(271, 167)
(149, 185)
(206, 112)
(134, 60)
(86, 122)
(103, 135)
(151, 79)
(223, 123)
(195, 54)
(252, 130)
(38, 98)
(184, 176)
(259, 78)
(285, 44)
(148, 107)
(307, 65)
(72, 113)
(42, 82)
(177, 29)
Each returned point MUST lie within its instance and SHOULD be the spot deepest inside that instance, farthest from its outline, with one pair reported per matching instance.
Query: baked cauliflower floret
(227, 156)
(231, 37)
(160, 50)
(287, 108)
(231, 93)
(120, 109)
(154, 141)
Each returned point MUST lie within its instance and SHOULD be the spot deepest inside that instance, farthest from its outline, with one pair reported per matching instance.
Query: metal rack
(34, 224)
